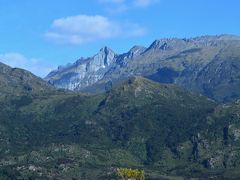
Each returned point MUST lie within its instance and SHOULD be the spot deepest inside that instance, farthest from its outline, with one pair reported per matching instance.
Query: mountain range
(159, 120)
(208, 65)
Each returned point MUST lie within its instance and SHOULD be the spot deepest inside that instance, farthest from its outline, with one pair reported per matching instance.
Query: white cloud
(144, 3)
(83, 28)
(33, 65)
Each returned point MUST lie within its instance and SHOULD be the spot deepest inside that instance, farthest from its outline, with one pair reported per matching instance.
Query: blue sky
(40, 35)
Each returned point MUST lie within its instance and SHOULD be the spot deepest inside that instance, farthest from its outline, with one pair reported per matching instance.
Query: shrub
(128, 173)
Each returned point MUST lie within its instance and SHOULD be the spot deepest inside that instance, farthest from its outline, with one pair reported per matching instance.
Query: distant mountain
(14, 81)
(208, 64)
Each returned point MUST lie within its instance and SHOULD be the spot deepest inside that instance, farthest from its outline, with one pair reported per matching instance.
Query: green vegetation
(161, 129)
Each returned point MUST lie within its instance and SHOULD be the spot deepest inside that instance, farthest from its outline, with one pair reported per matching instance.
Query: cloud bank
(84, 28)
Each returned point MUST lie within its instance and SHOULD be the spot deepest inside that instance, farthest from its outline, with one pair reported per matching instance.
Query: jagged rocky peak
(84, 72)
(168, 44)
(159, 44)
(106, 50)
(104, 58)
(135, 51)
(105, 55)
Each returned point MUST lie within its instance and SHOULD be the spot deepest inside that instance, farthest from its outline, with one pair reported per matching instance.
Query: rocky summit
(84, 72)
(209, 65)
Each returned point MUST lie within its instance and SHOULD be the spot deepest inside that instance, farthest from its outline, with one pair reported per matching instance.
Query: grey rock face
(84, 72)
(207, 64)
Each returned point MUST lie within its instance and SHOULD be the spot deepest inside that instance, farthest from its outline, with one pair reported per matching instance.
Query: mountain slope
(14, 81)
(207, 64)
(136, 122)
(167, 131)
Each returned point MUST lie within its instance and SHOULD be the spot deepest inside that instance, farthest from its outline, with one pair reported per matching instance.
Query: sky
(41, 35)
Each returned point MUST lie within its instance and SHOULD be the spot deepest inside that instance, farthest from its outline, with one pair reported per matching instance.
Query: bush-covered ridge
(167, 131)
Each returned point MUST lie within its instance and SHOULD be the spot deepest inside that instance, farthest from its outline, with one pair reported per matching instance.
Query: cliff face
(84, 72)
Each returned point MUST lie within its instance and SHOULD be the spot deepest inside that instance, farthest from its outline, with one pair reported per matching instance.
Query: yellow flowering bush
(130, 174)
